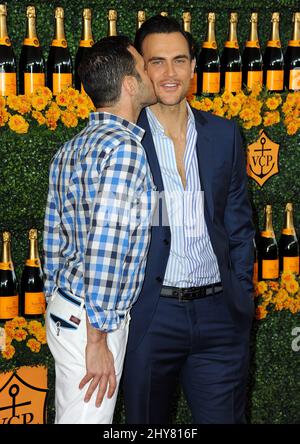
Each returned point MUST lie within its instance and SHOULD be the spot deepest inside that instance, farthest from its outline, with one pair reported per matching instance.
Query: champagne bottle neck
(33, 249)
(275, 31)
(31, 28)
(296, 30)
(86, 30)
(112, 28)
(6, 252)
(59, 29)
(3, 27)
(232, 32)
(268, 222)
(187, 26)
(289, 220)
(253, 36)
(141, 17)
(211, 34)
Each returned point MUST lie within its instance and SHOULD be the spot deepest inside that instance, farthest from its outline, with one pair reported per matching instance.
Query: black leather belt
(191, 293)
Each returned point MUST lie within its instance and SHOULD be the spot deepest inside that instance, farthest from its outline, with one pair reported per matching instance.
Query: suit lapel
(205, 157)
(149, 147)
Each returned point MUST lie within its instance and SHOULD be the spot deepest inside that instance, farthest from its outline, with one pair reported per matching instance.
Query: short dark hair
(104, 67)
(159, 24)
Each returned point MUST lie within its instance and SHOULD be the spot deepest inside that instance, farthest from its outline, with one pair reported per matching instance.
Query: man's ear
(130, 85)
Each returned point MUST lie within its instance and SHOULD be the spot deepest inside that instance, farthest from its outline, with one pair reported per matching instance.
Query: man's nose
(170, 70)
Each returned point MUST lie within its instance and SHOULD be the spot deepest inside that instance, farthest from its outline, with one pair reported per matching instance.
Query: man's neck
(127, 113)
(172, 118)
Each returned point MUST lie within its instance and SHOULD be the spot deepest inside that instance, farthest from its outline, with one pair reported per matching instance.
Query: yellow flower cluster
(19, 111)
(254, 108)
(18, 329)
(278, 296)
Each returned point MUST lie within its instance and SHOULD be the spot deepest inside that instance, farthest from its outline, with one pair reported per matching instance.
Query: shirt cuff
(104, 320)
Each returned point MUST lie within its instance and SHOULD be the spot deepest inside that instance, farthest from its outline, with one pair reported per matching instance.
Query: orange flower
(4, 116)
(20, 334)
(69, 119)
(9, 352)
(44, 92)
(292, 286)
(271, 118)
(18, 124)
(34, 345)
(39, 102)
(62, 99)
(292, 128)
(226, 96)
(13, 102)
(24, 105)
(287, 276)
(273, 102)
(261, 287)
(2, 102)
(19, 322)
(261, 313)
(53, 113)
(82, 112)
(34, 327)
(41, 336)
(38, 116)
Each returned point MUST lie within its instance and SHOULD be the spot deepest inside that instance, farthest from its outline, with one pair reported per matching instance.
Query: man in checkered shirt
(97, 224)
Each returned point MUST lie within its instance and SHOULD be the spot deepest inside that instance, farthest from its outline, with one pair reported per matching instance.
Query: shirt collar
(156, 126)
(104, 118)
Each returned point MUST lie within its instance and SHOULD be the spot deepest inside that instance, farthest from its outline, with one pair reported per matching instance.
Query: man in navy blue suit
(192, 320)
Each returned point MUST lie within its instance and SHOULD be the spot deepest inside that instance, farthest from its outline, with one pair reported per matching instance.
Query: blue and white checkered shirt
(100, 204)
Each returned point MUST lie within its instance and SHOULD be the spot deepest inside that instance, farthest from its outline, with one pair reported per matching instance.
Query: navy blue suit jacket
(228, 217)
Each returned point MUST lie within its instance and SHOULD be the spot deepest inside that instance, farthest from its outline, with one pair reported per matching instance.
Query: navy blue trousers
(197, 343)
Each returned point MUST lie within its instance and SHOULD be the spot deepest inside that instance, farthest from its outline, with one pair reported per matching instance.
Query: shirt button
(166, 241)
(159, 279)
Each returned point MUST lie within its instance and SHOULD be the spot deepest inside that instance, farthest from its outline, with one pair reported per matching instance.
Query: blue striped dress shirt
(192, 262)
(97, 223)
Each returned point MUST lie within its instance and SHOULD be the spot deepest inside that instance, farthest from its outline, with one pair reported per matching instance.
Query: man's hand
(100, 368)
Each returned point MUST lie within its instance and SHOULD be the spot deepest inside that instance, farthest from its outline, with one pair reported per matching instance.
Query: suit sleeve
(238, 218)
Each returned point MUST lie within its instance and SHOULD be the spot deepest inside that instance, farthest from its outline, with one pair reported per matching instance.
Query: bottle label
(33, 263)
(255, 272)
(254, 77)
(294, 43)
(233, 44)
(193, 88)
(294, 83)
(9, 307)
(31, 42)
(288, 231)
(291, 264)
(211, 82)
(61, 81)
(8, 83)
(32, 81)
(252, 44)
(210, 45)
(35, 303)
(270, 269)
(233, 81)
(60, 43)
(275, 80)
(267, 233)
(6, 266)
(5, 41)
(274, 44)
(86, 43)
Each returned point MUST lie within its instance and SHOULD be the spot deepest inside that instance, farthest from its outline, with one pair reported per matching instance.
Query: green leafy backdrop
(274, 385)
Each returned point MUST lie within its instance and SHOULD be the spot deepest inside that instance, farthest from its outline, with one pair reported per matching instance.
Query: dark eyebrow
(180, 56)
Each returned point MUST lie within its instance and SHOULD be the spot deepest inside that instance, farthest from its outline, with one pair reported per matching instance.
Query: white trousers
(67, 343)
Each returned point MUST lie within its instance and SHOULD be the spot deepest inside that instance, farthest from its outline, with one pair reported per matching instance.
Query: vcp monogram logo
(262, 159)
(21, 402)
